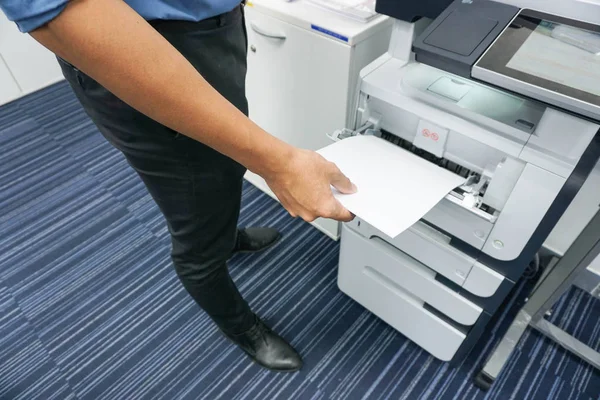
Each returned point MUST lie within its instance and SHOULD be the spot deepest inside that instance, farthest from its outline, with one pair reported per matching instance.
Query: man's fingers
(339, 213)
(309, 203)
(341, 182)
(332, 210)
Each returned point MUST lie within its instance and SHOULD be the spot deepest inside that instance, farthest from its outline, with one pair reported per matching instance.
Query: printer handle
(263, 32)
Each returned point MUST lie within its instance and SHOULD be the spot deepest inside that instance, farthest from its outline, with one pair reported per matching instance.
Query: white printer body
(440, 282)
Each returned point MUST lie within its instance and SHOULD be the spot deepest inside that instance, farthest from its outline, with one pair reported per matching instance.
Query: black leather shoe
(252, 240)
(268, 349)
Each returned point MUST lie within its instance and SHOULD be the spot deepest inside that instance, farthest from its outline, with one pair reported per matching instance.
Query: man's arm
(110, 42)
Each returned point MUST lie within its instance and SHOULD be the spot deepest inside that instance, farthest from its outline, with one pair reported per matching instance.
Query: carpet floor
(90, 307)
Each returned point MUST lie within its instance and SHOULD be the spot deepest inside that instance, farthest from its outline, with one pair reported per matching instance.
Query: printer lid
(456, 39)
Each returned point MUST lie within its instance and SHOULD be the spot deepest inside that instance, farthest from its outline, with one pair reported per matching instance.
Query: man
(164, 82)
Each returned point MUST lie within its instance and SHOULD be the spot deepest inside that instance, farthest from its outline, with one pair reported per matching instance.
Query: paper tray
(395, 187)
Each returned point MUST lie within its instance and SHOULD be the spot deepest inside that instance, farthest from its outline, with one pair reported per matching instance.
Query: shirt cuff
(33, 22)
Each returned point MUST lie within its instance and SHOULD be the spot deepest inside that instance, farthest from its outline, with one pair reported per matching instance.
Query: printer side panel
(513, 269)
(529, 201)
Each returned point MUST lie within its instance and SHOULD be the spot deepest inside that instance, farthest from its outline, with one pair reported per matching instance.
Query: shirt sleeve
(31, 14)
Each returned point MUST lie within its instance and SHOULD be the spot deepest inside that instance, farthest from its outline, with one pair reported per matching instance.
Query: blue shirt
(31, 14)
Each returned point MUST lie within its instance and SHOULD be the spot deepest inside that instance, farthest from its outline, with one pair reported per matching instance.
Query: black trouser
(196, 188)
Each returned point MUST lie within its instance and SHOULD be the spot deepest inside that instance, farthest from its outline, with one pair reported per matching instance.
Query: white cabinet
(301, 79)
(296, 82)
(31, 66)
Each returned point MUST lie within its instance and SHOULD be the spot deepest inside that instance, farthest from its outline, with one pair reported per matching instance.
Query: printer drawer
(432, 248)
(396, 306)
(400, 271)
(427, 246)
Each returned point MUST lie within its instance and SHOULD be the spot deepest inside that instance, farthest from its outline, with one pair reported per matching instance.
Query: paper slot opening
(475, 186)
(396, 188)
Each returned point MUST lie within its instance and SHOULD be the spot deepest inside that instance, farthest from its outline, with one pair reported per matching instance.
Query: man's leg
(197, 189)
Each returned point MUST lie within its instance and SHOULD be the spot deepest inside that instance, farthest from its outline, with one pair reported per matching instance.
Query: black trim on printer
(411, 11)
(471, 340)
(482, 326)
(458, 326)
(488, 304)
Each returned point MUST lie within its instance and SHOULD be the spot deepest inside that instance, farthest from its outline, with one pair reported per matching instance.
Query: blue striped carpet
(91, 309)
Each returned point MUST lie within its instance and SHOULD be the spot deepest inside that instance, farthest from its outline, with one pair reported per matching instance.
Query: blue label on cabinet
(330, 33)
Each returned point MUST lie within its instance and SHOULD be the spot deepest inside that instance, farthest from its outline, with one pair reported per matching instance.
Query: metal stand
(556, 280)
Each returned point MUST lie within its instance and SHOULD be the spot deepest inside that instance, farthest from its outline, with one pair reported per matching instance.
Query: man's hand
(304, 187)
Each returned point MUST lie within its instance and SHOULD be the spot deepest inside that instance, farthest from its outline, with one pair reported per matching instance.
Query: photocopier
(507, 95)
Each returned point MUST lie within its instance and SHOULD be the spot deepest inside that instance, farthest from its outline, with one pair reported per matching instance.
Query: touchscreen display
(549, 52)
(563, 54)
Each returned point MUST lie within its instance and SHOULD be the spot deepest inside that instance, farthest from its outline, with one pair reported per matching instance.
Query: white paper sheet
(395, 187)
